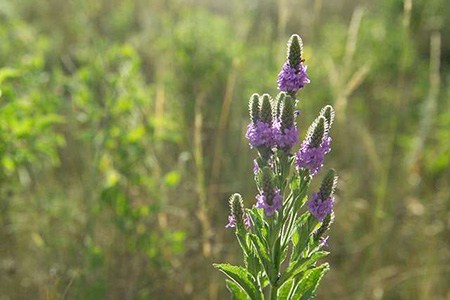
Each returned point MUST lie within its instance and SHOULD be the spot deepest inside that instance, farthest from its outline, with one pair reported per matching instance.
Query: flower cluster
(237, 214)
(310, 157)
(321, 203)
(270, 202)
(260, 134)
(292, 76)
(273, 123)
(317, 144)
(319, 207)
(285, 138)
(270, 198)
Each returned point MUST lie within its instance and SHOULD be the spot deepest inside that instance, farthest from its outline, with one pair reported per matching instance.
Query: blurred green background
(122, 135)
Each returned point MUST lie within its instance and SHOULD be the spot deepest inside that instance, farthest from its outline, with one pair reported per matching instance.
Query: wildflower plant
(283, 235)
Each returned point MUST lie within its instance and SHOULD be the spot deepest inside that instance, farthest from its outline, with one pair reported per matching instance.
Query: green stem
(273, 292)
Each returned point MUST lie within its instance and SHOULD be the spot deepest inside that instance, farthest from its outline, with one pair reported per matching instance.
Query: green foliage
(284, 293)
(236, 292)
(306, 288)
(241, 277)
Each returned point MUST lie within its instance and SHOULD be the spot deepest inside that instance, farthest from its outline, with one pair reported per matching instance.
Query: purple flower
(285, 138)
(312, 158)
(255, 167)
(231, 222)
(269, 203)
(247, 221)
(260, 134)
(323, 241)
(292, 78)
(319, 207)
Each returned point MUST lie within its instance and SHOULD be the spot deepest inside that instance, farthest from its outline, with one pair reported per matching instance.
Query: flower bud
(288, 113)
(254, 108)
(328, 113)
(328, 185)
(267, 183)
(317, 131)
(326, 224)
(279, 103)
(295, 50)
(266, 109)
(237, 207)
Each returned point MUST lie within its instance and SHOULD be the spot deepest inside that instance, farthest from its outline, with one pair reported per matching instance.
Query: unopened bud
(295, 50)
(288, 113)
(266, 109)
(254, 107)
(328, 113)
(237, 207)
(267, 183)
(326, 224)
(279, 103)
(328, 185)
(317, 131)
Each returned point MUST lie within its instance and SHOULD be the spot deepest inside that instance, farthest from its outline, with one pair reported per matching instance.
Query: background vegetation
(122, 135)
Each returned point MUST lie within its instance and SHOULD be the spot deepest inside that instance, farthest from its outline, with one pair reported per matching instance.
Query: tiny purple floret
(255, 167)
(319, 207)
(231, 222)
(323, 241)
(247, 221)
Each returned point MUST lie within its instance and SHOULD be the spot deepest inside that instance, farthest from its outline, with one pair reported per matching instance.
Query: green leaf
(236, 292)
(301, 265)
(264, 257)
(250, 258)
(305, 226)
(285, 290)
(307, 287)
(293, 228)
(243, 278)
(263, 280)
(259, 224)
(300, 194)
(277, 254)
